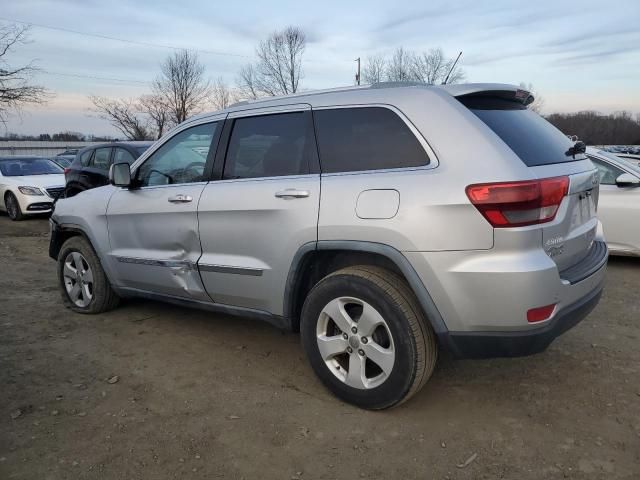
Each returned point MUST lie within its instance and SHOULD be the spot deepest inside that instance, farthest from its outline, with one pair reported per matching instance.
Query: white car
(619, 201)
(29, 185)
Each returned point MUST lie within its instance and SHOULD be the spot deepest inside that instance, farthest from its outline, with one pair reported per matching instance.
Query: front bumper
(491, 344)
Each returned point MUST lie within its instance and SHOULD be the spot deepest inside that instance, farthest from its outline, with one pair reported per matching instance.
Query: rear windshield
(530, 136)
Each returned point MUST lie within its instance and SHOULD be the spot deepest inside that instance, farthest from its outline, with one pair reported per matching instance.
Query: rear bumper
(483, 297)
(519, 343)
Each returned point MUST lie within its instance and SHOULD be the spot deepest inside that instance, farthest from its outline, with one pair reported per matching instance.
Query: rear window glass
(530, 136)
(365, 138)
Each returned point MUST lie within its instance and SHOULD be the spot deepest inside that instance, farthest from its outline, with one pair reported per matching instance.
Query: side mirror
(627, 180)
(120, 174)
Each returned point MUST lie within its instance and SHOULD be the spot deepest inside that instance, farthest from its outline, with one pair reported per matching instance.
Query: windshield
(530, 136)
(18, 167)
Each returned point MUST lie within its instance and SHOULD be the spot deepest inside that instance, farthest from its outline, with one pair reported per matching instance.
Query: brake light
(540, 314)
(516, 204)
(67, 170)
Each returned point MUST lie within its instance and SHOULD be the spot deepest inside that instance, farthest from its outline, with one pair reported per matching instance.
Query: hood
(44, 181)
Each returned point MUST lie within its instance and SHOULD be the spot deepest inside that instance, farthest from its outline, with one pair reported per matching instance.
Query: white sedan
(619, 202)
(29, 185)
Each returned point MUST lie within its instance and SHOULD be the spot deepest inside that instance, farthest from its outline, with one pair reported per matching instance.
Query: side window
(269, 146)
(608, 173)
(101, 158)
(366, 138)
(85, 158)
(179, 160)
(122, 155)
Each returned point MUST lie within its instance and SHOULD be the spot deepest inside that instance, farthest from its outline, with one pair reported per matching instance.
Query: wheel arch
(61, 233)
(315, 260)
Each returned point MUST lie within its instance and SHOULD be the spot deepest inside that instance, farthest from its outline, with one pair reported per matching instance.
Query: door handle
(290, 193)
(180, 199)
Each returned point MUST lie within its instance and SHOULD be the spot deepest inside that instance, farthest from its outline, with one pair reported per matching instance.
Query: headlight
(30, 190)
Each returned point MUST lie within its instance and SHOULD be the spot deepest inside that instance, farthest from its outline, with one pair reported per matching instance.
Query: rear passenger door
(262, 207)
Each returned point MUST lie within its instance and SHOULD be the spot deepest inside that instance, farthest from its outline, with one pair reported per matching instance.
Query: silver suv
(382, 222)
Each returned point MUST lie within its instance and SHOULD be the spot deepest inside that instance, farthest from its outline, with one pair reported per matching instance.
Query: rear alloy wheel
(355, 342)
(367, 338)
(13, 207)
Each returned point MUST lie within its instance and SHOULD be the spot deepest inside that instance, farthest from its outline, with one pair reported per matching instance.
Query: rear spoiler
(519, 96)
(490, 90)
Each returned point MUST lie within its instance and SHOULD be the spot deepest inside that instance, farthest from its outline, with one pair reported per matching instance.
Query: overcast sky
(578, 54)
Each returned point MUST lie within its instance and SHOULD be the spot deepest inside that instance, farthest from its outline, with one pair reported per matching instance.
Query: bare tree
(279, 67)
(374, 69)
(399, 66)
(158, 112)
(182, 86)
(16, 89)
(538, 103)
(432, 68)
(123, 115)
(221, 95)
(247, 82)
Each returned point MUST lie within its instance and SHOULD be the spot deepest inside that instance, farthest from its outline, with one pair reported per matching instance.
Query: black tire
(416, 348)
(12, 206)
(103, 297)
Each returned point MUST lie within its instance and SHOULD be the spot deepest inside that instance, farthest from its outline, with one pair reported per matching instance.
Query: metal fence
(46, 149)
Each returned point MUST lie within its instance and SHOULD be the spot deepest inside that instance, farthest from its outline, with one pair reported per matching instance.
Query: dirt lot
(205, 396)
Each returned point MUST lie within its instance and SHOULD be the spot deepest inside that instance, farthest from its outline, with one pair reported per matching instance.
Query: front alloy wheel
(83, 283)
(78, 279)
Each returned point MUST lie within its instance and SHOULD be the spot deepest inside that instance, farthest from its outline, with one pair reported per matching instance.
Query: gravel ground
(156, 391)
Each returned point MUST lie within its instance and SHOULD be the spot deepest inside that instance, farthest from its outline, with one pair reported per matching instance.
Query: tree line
(593, 128)
(58, 137)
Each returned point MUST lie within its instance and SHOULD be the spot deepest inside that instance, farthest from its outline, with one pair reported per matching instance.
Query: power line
(134, 42)
(94, 77)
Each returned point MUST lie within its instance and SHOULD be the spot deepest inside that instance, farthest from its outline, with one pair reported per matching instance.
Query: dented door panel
(154, 243)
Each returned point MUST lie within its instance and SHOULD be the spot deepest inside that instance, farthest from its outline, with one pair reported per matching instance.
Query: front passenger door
(153, 227)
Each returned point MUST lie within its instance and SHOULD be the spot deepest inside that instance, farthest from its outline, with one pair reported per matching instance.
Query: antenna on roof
(452, 67)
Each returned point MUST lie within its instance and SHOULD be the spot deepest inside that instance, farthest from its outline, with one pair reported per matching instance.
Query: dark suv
(90, 169)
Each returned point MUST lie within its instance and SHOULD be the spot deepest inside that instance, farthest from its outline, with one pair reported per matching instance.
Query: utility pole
(358, 74)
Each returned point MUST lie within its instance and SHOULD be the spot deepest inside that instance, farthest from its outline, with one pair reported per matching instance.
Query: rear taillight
(67, 170)
(516, 204)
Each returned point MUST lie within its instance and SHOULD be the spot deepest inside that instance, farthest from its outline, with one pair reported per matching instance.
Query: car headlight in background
(30, 190)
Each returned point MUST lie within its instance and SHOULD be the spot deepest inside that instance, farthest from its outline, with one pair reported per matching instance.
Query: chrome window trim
(260, 111)
(310, 176)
